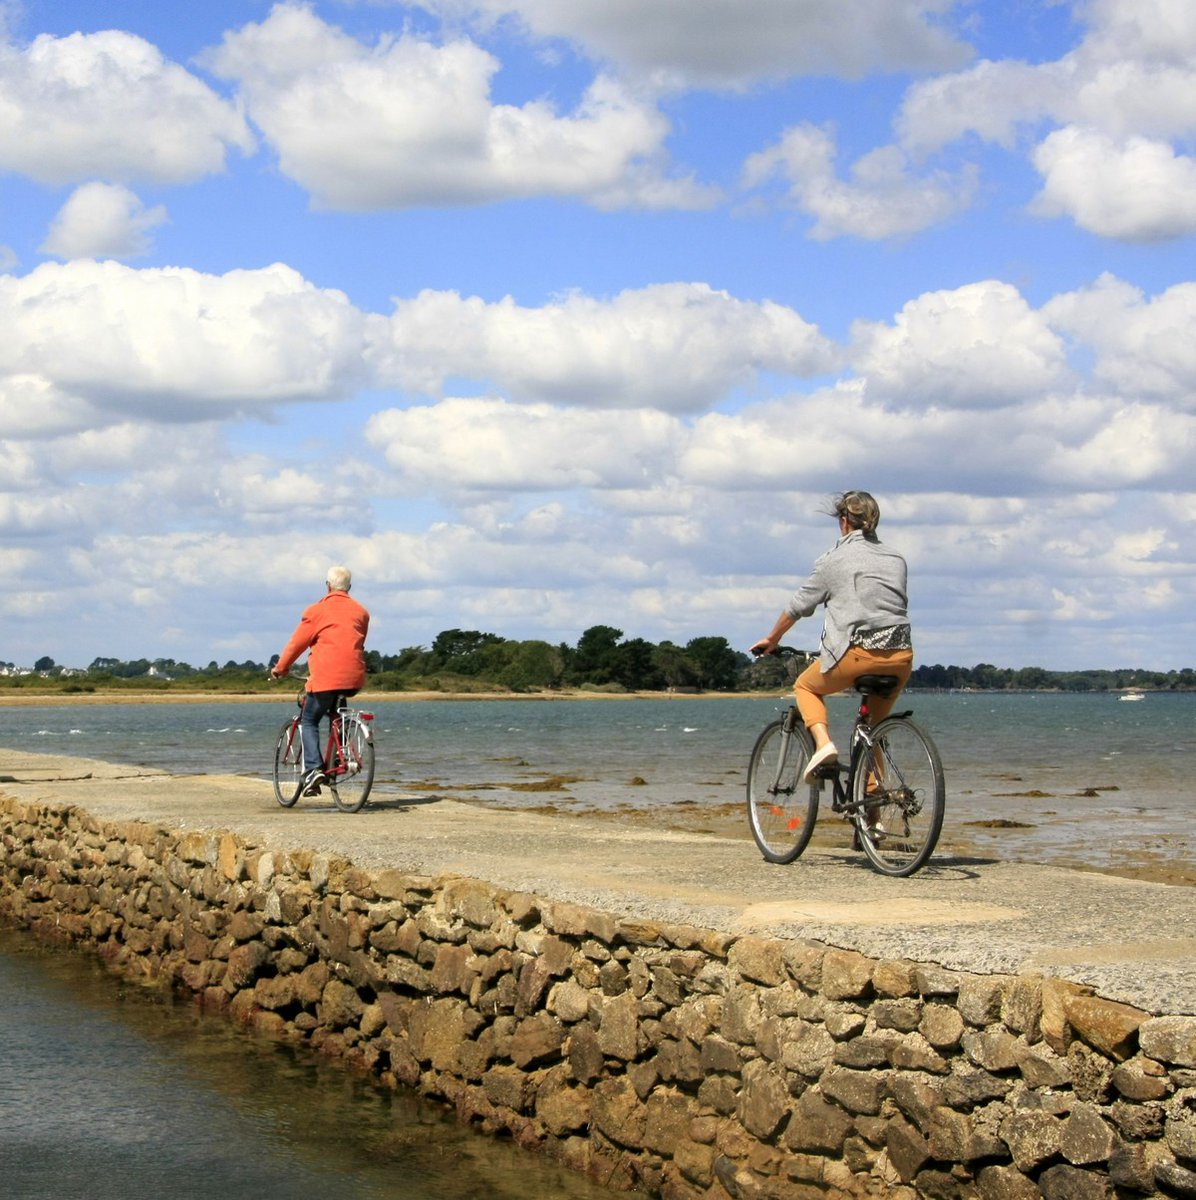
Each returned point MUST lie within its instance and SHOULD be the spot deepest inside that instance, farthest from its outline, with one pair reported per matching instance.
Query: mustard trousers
(812, 685)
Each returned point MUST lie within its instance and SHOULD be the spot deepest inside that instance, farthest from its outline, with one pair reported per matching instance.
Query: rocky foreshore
(681, 1060)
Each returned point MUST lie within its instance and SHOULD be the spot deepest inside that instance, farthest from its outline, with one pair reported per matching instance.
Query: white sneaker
(820, 758)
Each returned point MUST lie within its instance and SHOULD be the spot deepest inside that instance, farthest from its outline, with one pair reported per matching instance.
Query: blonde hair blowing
(860, 509)
(339, 579)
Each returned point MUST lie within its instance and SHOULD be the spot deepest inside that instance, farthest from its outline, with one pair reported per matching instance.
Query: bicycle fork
(787, 728)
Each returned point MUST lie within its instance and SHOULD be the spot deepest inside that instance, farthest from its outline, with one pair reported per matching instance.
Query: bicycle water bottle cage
(876, 685)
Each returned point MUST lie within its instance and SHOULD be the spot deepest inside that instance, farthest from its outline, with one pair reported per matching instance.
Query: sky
(542, 314)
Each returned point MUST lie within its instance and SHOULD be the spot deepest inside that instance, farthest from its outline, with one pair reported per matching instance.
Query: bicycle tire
(288, 763)
(352, 774)
(781, 808)
(898, 822)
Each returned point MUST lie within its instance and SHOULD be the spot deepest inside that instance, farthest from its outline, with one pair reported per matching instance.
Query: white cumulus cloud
(1142, 347)
(978, 346)
(110, 106)
(1136, 190)
(102, 220)
(409, 123)
(680, 346)
(101, 341)
(495, 445)
(882, 198)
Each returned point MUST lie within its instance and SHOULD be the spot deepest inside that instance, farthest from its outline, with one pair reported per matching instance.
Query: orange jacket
(334, 628)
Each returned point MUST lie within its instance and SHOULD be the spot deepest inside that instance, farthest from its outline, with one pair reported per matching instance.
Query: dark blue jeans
(316, 706)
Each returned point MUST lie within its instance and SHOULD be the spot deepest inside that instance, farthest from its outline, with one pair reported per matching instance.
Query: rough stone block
(759, 960)
(1169, 1039)
(618, 1028)
(1181, 1125)
(1086, 1137)
(617, 1113)
(764, 1101)
(1062, 1182)
(846, 975)
(1032, 1137)
(941, 1025)
(1091, 1073)
(1177, 1180)
(808, 1049)
(585, 1056)
(817, 1126)
(894, 977)
(569, 1002)
(1053, 1024)
(536, 1040)
(980, 998)
(563, 1110)
(856, 1091)
(1021, 1006)
(1005, 1183)
(914, 1053)
(908, 1150)
(993, 1049)
(1141, 1079)
(1106, 1025)
(916, 1095)
(903, 1015)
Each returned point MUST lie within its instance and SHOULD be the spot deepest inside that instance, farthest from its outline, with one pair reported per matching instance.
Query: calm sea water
(108, 1091)
(1087, 779)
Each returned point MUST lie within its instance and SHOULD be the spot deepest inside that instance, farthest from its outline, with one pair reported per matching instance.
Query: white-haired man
(334, 630)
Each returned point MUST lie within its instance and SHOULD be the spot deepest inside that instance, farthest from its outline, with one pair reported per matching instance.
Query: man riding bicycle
(334, 629)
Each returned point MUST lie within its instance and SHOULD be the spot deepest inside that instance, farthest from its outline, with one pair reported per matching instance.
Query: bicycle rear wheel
(351, 775)
(781, 807)
(288, 763)
(898, 797)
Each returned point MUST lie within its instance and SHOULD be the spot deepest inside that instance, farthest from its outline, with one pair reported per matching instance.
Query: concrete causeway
(1131, 941)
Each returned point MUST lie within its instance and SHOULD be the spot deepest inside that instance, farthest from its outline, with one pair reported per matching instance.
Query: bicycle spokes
(781, 807)
(898, 797)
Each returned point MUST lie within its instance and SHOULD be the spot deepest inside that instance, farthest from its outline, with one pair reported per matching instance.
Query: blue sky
(547, 313)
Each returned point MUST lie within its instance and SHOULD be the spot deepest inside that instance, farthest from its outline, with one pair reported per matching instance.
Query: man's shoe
(312, 782)
(820, 758)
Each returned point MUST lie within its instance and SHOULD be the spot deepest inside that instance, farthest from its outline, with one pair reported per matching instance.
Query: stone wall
(671, 1059)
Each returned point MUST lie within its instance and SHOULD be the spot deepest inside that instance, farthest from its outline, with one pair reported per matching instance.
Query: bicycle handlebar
(781, 652)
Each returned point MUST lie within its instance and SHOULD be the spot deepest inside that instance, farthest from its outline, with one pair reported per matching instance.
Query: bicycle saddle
(876, 685)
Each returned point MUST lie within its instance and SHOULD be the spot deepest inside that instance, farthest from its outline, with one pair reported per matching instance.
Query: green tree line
(471, 660)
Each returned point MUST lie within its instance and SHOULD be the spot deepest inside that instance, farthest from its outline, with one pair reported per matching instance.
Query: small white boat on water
(1132, 696)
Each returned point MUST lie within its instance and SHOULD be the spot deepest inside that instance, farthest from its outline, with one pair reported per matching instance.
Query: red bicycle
(348, 758)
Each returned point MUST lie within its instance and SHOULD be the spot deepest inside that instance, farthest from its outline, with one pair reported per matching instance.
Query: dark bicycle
(348, 758)
(891, 789)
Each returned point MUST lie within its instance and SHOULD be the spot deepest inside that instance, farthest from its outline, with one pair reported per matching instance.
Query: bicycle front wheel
(288, 763)
(352, 774)
(781, 807)
(898, 797)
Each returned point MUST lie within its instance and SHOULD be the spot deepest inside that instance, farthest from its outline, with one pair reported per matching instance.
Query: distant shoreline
(70, 699)
(25, 698)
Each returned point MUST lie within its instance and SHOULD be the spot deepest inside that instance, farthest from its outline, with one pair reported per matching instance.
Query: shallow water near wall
(108, 1090)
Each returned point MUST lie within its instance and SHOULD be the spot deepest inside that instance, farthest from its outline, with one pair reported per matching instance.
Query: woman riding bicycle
(866, 628)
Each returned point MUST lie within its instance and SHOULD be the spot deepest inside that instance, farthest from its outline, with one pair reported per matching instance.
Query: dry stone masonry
(674, 1060)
